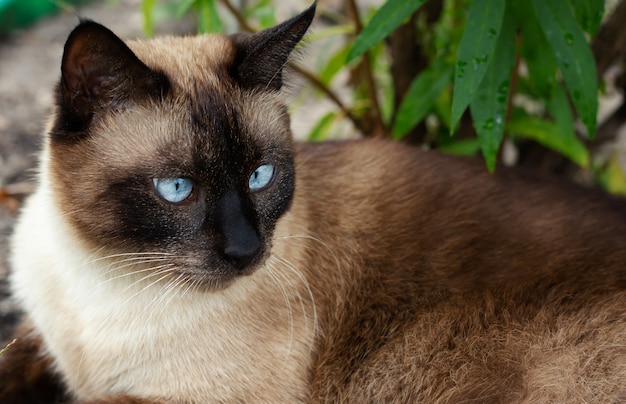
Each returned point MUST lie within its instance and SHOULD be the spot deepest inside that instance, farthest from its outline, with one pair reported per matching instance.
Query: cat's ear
(99, 71)
(261, 57)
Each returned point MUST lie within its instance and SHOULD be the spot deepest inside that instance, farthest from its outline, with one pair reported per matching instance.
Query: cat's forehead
(172, 131)
(203, 110)
(189, 62)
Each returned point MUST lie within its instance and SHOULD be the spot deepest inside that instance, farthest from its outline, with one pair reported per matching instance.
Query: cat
(181, 248)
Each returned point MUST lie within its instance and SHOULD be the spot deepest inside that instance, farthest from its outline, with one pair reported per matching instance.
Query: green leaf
(612, 176)
(465, 147)
(573, 55)
(183, 7)
(559, 107)
(549, 134)
(484, 21)
(265, 12)
(489, 106)
(210, 20)
(320, 131)
(535, 50)
(267, 17)
(147, 7)
(333, 65)
(327, 32)
(420, 97)
(389, 17)
(589, 14)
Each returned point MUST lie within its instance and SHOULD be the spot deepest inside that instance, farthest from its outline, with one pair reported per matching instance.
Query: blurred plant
(458, 75)
(6, 348)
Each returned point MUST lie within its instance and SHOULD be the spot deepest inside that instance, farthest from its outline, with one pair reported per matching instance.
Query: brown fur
(25, 372)
(429, 279)
(513, 301)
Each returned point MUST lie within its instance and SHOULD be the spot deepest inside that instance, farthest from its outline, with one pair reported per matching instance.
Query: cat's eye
(173, 189)
(261, 177)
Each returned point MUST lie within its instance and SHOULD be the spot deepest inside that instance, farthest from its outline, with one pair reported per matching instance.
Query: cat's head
(175, 148)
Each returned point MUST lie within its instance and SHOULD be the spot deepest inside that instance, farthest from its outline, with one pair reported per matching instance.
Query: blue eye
(173, 189)
(261, 177)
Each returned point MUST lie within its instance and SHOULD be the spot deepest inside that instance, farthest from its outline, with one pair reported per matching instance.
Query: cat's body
(394, 274)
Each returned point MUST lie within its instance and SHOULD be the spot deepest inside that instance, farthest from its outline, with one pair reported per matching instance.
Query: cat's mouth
(220, 273)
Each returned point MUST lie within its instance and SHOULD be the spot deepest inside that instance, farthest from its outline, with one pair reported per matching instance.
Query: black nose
(241, 241)
(241, 255)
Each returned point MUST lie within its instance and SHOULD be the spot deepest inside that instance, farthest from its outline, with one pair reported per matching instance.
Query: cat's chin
(215, 284)
(215, 281)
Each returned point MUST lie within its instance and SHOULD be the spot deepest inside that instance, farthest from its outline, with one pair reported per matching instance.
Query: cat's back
(463, 285)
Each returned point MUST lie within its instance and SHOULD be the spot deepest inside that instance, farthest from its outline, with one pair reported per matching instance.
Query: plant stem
(6, 348)
(314, 80)
(243, 23)
(307, 75)
(379, 127)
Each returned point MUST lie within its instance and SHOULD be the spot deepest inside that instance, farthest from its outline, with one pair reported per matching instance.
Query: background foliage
(463, 76)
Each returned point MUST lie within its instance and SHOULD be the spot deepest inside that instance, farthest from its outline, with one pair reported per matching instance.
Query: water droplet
(489, 124)
(461, 63)
(569, 39)
(478, 60)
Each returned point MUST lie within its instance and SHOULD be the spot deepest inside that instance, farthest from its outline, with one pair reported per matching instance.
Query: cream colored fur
(155, 333)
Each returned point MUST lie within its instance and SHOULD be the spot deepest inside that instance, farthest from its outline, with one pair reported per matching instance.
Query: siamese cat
(180, 248)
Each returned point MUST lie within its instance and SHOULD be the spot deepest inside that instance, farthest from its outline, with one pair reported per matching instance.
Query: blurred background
(534, 84)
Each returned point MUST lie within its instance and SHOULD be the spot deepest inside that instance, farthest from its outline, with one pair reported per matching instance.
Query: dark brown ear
(99, 71)
(261, 57)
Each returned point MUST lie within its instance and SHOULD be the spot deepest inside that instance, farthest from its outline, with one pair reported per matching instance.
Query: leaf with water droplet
(569, 39)
(550, 135)
(535, 50)
(575, 60)
(589, 14)
(489, 107)
(422, 94)
(388, 17)
(478, 60)
(489, 124)
(477, 45)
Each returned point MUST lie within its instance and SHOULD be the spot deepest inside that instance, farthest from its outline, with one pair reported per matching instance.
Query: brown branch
(609, 47)
(610, 41)
(243, 23)
(409, 57)
(379, 127)
(315, 81)
(307, 75)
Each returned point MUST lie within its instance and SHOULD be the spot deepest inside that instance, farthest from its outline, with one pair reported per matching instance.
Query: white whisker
(156, 271)
(278, 283)
(305, 282)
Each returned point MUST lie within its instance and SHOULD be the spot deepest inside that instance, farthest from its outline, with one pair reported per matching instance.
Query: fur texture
(384, 273)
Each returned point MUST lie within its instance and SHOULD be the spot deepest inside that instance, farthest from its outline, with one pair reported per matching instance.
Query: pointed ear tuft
(99, 71)
(261, 57)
